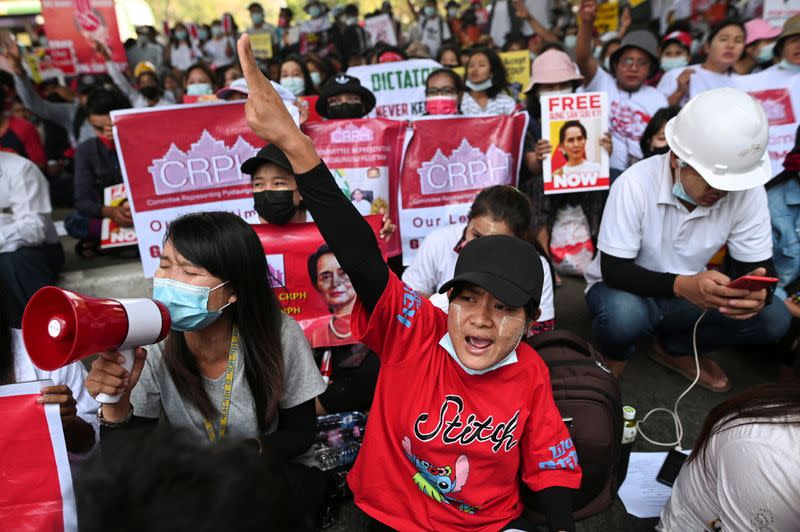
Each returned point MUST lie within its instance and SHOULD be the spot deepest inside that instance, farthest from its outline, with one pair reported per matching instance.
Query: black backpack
(588, 397)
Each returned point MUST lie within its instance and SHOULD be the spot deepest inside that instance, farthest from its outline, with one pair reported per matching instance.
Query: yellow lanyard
(226, 395)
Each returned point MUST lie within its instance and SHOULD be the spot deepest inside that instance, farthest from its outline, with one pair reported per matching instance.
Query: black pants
(26, 270)
(520, 523)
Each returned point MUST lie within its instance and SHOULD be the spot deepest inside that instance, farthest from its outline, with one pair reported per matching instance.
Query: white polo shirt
(629, 115)
(435, 264)
(644, 221)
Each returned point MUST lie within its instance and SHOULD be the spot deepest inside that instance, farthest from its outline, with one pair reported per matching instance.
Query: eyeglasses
(441, 91)
(629, 62)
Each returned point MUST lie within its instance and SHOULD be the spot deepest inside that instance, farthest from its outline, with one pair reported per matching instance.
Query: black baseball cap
(508, 268)
(268, 154)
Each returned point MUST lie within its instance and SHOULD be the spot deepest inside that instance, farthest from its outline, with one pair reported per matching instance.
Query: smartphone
(753, 283)
(671, 467)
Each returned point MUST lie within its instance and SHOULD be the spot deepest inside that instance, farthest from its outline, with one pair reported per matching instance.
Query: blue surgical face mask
(294, 84)
(216, 31)
(482, 86)
(671, 63)
(199, 89)
(429, 11)
(677, 187)
(187, 304)
(180, 35)
(314, 11)
(316, 79)
(570, 41)
(203, 34)
(785, 64)
(765, 55)
(257, 18)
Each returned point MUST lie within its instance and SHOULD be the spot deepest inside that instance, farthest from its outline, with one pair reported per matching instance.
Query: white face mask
(554, 92)
(570, 41)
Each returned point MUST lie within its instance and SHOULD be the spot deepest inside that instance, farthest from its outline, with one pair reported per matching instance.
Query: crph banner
(447, 162)
(308, 281)
(182, 159)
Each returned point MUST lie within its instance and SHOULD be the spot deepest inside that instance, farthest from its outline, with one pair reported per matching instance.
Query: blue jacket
(784, 208)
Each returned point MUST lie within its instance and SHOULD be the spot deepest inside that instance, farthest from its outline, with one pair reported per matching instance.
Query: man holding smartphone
(665, 219)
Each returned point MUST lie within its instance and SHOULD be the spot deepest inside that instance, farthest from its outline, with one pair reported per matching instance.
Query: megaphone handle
(128, 354)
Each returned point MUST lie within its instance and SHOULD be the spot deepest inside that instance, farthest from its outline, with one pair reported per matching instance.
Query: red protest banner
(308, 281)
(364, 157)
(447, 162)
(181, 159)
(35, 484)
(77, 25)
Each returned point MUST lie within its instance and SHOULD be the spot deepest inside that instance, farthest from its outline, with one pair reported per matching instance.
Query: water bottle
(628, 437)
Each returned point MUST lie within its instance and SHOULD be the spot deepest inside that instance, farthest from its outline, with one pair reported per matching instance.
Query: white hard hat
(723, 134)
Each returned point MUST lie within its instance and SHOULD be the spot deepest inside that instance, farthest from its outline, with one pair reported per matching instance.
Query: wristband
(112, 424)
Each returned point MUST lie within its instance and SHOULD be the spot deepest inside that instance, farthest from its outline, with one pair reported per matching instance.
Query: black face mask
(346, 110)
(659, 151)
(152, 94)
(276, 206)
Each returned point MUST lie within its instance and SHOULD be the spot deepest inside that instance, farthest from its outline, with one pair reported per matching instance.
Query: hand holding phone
(753, 283)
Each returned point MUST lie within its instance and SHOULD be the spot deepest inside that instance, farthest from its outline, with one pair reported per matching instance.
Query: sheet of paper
(642, 495)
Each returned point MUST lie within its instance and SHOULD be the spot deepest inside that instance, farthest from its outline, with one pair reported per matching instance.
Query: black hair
(324, 67)
(310, 89)
(758, 405)
(229, 249)
(499, 76)
(608, 44)
(6, 345)
(552, 46)
(448, 72)
(512, 38)
(505, 203)
(255, 5)
(659, 120)
(449, 47)
(313, 259)
(719, 26)
(204, 68)
(350, 9)
(180, 485)
(102, 101)
(568, 124)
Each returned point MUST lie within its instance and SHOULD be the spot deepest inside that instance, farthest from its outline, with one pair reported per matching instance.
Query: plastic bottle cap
(628, 412)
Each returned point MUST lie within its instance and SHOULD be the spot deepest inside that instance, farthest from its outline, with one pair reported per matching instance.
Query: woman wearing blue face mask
(487, 83)
(181, 52)
(219, 48)
(233, 366)
(199, 81)
(296, 78)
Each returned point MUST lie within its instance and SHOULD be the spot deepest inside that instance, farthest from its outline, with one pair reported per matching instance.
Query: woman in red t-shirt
(463, 410)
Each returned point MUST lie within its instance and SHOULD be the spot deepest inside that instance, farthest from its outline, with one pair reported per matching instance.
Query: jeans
(620, 319)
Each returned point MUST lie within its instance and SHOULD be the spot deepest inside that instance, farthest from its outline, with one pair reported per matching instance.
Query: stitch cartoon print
(439, 482)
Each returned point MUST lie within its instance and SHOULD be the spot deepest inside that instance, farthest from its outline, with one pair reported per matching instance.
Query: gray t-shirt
(155, 395)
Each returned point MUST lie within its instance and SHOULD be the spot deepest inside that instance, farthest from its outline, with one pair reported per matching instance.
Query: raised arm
(344, 229)
(115, 73)
(587, 12)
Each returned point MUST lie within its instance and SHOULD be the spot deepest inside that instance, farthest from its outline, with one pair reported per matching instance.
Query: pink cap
(553, 66)
(759, 29)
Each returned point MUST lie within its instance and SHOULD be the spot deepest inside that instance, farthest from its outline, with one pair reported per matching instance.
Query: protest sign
(778, 92)
(112, 235)
(518, 69)
(778, 11)
(36, 484)
(308, 281)
(363, 155)
(380, 29)
(399, 87)
(261, 44)
(607, 17)
(181, 159)
(76, 25)
(447, 162)
(574, 125)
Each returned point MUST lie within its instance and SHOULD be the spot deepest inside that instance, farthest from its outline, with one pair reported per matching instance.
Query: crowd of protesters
(691, 174)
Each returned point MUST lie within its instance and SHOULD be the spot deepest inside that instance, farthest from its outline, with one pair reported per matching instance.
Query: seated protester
(296, 78)
(220, 47)
(783, 193)
(449, 56)
(443, 92)
(431, 362)
(31, 255)
(69, 115)
(199, 81)
(237, 90)
(487, 84)
(18, 135)
(343, 96)
(278, 201)
(319, 69)
(674, 53)
(632, 102)
(97, 167)
(723, 48)
(654, 140)
(497, 210)
(742, 473)
(758, 46)
(182, 52)
(228, 334)
(665, 218)
(147, 92)
(78, 409)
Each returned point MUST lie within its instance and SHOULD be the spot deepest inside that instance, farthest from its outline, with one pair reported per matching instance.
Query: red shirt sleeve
(29, 136)
(402, 323)
(548, 454)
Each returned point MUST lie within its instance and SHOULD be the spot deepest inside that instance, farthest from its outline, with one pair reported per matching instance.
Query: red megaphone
(60, 327)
